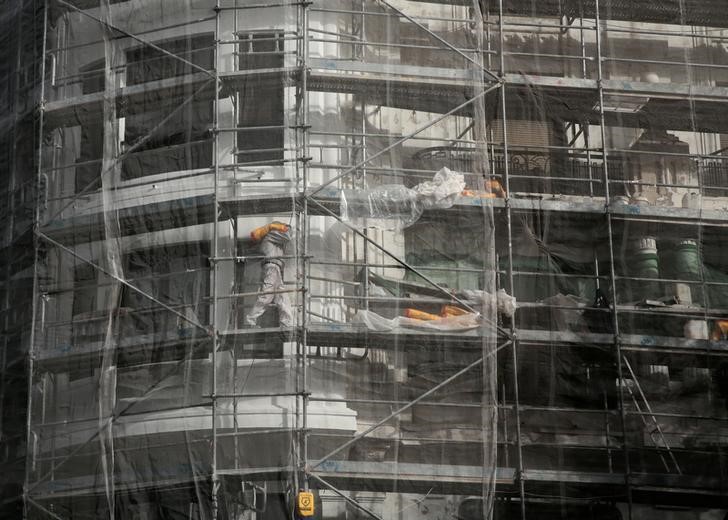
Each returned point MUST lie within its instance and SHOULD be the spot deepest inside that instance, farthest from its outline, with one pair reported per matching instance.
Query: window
(93, 77)
(184, 142)
(260, 101)
(148, 63)
(261, 50)
(6, 72)
(88, 170)
(85, 290)
(176, 275)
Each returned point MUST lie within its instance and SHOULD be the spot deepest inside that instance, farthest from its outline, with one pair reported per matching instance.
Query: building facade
(446, 259)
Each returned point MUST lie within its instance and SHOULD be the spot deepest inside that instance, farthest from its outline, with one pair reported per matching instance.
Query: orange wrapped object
(258, 233)
(720, 330)
(452, 310)
(493, 189)
(420, 315)
(478, 194)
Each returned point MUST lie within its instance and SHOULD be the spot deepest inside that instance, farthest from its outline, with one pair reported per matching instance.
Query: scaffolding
(588, 140)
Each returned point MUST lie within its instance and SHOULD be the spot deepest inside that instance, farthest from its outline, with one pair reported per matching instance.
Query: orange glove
(258, 233)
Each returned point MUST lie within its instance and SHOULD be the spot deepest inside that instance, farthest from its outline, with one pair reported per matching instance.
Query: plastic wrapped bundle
(395, 207)
(441, 191)
(385, 207)
(375, 322)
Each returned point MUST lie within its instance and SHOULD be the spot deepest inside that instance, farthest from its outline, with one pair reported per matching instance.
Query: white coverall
(272, 245)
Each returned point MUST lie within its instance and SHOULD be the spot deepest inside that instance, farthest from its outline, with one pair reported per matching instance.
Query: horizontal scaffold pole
(409, 405)
(407, 137)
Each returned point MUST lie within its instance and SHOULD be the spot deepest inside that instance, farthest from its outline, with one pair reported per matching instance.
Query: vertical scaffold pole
(302, 164)
(214, 478)
(509, 225)
(610, 241)
(36, 242)
(298, 185)
(235, 122)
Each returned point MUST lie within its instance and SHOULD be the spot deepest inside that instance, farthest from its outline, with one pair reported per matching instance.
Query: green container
(686, 263)
(682, 261)
(643, 262)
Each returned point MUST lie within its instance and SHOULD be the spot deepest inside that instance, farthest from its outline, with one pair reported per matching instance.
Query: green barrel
(643, 262)
(686, 264)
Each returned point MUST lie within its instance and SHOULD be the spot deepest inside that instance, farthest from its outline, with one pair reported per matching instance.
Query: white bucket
(696, 329)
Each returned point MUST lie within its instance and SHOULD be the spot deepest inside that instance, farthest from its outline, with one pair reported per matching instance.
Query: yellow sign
(305, 504)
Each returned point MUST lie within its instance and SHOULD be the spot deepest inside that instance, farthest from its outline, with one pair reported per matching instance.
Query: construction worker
(273, 239)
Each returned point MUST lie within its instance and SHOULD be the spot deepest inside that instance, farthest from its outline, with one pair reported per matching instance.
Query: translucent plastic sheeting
(395, 206)
(423, 259)
(183, 363)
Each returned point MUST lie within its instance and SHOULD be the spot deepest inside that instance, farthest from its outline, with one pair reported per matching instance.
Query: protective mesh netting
(448, 259)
